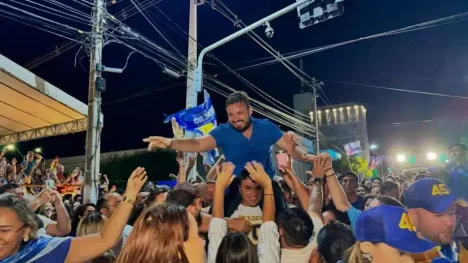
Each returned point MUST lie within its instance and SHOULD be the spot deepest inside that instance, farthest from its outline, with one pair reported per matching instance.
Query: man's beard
(247, 126)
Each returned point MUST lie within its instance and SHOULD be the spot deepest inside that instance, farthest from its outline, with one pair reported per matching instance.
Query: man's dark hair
(387, 186)
(461, 145)
(238, 97)
(349, 174)
(180, 197)
(377, 178)
(333, 240)
(388, 200)
(236, 247)
(101, 203)
(244, 175)
(297, 227)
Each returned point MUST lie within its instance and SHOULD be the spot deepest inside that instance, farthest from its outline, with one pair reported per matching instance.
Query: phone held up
(281, 159)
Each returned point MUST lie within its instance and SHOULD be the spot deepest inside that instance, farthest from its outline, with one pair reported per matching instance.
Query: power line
(307, 52)
(395, 89)
(122, 15)
(266, 46)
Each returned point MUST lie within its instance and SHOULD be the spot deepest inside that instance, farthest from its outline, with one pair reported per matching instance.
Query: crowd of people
(242, 212)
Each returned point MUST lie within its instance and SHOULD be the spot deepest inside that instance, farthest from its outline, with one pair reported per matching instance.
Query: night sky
(430, 60)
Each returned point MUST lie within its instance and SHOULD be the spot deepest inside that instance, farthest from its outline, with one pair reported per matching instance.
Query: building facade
(339, 124)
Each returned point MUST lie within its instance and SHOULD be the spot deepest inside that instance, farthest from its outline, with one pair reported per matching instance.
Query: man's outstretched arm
(202, 144)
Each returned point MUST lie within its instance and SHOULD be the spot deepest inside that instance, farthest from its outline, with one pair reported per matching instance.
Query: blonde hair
(90, 224)
(354, 255)
(158, 236)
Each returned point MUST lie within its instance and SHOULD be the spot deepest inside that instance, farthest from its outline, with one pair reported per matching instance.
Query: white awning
(31, 108)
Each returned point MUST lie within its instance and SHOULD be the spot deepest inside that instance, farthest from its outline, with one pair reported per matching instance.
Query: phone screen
(49, 184)
(282, 160)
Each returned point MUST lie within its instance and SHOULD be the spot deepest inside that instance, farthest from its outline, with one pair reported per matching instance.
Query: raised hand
(157, 142)
(192, 160)
(258, 174)
(176, 130)
(322, 163)
(135, 182)
(180, 158)
(290, 138)
(225, 175)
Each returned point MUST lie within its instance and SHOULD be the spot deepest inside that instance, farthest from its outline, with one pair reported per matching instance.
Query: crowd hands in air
(241, 212)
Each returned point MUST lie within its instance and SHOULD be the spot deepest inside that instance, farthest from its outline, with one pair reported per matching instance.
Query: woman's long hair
(354, 255)
(91, 224)
(236, 248)
(158, 236)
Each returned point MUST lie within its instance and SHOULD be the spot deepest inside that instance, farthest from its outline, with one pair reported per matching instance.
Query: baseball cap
(430, 194)
(390, 225)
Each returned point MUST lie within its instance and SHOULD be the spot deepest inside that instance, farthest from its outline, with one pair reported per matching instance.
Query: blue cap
(430, 194)
(390, 225)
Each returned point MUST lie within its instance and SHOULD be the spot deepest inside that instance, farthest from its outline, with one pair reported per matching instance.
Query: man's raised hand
(258, 174)
(157, 142)
(225, 175)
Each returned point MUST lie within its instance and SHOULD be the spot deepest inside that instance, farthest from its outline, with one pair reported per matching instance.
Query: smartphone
(281, 159)
(49, 184)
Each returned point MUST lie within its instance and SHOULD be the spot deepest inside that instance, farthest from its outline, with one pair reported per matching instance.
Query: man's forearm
(185, 145)
(63, 220)
(316, 199)
(298, 153)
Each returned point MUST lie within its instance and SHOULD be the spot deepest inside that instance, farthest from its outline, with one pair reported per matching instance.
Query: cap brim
(443, 205)
(414, 246)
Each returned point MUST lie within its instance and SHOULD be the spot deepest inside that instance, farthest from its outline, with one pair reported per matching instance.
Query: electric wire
(395, 89)
(134, 2)
(262, 43)
(53, 11)
(306, 52)
(122, 15)
(245, 81)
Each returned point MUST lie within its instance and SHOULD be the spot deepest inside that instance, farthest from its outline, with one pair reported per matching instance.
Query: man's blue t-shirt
(239, 150)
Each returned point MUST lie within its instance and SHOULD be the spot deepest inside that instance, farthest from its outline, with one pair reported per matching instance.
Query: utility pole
(191, 99)
(96, 86)
(314, 85)
(314, 108)
(192, 95)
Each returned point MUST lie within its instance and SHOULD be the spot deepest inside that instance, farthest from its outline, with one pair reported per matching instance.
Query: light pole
(199, 70)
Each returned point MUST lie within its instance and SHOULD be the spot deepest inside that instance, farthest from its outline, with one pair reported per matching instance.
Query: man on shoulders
(242, 139)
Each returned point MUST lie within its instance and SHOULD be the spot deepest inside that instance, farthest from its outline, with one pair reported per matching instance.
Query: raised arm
(288, 143)
(85, 248)
(202, 144)
(337, 194)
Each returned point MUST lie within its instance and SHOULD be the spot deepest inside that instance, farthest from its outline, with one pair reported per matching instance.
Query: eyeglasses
(8, 231)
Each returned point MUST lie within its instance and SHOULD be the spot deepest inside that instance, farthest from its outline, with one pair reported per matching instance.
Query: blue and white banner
(200, 119)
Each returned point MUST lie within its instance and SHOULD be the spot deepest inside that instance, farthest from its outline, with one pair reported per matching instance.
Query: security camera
(269, 32)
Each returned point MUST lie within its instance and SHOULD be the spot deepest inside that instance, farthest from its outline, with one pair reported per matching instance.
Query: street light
(10, 147)
(374, 146)
(38, 150)
(401, 158)
(431, 156)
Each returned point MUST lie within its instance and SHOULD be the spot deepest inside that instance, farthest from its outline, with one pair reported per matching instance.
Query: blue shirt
(29, 167)
(239, 150)
(353, 215)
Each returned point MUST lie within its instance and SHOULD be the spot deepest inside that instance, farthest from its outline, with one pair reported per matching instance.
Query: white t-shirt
(254, 215)
(45, 222)
(302, 255)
